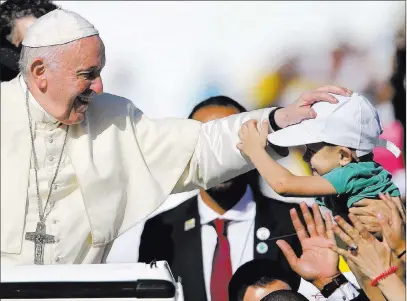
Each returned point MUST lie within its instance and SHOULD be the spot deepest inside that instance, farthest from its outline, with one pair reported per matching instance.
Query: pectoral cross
(40, 238)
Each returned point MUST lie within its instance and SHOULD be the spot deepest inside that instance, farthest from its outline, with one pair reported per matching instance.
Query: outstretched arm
(253, 143)
(216, 159)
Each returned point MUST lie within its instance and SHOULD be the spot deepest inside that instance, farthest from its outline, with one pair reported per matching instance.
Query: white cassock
(117, 168)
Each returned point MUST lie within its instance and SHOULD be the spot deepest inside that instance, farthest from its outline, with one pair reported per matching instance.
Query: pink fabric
(221, 266)
(394, 133)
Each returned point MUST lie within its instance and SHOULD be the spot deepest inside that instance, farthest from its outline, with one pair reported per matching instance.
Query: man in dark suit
(186, 236)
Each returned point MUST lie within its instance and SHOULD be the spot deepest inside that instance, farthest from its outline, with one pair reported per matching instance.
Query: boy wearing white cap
(339, 144)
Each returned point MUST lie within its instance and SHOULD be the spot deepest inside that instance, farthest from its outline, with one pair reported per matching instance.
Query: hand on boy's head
(251, 138)
(301, 109)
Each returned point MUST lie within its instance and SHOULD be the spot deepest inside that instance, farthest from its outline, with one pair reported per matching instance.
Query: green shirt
(357, 181)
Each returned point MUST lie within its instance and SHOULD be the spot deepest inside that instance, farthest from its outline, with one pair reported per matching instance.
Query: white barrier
(136, 281)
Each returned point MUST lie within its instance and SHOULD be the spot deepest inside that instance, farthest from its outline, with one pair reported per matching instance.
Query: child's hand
(252, 140)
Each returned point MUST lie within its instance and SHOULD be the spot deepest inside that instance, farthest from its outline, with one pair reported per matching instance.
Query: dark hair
(14, 9)
(284, 296)
(260, 273)
(218, 101)
(365, 158)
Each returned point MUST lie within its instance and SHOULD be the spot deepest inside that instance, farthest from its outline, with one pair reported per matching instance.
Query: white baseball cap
(352, 122)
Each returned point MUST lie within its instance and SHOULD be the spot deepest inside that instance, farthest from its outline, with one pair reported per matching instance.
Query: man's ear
(37, 70)
(345, 156)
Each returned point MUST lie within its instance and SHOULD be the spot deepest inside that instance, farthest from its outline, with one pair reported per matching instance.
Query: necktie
(221, 264)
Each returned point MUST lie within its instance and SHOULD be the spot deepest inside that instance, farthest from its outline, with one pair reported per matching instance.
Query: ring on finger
(353, 249)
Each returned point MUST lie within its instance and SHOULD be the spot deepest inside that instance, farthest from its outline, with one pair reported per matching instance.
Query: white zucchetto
(58, 27)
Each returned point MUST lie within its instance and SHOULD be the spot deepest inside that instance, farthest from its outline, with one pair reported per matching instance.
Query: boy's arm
(285, 183)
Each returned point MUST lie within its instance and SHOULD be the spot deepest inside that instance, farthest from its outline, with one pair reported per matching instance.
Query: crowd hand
(318, 263)
(368, 209)
(396, 201)
(252, 139)
(301, 109)
(393, 228)
(373, 293)
(372, 207)
(372, 257)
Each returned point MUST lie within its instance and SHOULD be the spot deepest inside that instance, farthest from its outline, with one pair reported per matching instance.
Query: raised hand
(318, 263)
(393, 227)
(367, 211)
(371, 256)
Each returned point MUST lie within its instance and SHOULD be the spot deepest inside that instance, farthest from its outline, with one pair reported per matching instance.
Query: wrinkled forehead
(86, 53)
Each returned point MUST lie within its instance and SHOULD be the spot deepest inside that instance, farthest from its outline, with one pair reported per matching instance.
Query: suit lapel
(265, 222)
(188, 263)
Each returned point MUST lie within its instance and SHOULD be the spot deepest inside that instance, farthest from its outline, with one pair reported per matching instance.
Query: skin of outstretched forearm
(393, 288)
(265, 164)
(373, 293)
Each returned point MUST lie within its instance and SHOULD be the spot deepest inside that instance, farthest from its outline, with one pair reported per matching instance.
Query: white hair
(50, 54)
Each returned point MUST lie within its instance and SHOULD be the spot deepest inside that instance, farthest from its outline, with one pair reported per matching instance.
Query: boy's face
(322, 158)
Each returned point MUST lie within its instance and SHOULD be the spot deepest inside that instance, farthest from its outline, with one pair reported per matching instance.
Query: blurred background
(167, 56)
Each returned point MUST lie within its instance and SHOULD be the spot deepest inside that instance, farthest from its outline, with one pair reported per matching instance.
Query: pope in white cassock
(77, 170)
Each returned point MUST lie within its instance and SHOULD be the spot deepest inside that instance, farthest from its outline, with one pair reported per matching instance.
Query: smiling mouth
(85, 100)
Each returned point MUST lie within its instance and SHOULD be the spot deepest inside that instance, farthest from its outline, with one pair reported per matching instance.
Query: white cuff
(345, 292)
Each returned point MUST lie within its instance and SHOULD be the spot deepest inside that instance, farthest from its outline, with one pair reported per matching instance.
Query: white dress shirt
(240, 234)
(241, 239)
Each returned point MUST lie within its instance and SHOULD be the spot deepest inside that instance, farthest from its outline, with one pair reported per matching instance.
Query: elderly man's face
(257, 293)
(71, 85)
